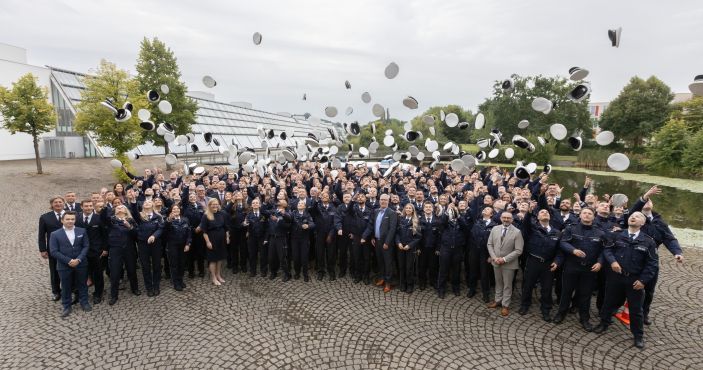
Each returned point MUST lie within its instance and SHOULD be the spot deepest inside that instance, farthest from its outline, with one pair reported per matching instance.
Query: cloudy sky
(449, 51)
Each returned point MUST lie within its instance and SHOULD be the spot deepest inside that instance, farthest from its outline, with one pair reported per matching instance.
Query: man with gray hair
(505, 245)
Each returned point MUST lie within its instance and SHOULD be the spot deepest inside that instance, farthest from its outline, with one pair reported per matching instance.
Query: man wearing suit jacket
(505, 245)
(71, 205)
(69, 245)
(95, 228)
(48, 223)
(381, 232)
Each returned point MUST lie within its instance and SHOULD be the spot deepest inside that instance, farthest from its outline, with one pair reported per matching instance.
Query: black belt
(538, 258)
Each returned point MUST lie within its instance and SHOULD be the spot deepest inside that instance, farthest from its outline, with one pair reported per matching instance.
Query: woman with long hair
(408, 239)
(216, 234)
(178, 238)
(118, 190)
(161, 209)
(120, 242)
(149, 229)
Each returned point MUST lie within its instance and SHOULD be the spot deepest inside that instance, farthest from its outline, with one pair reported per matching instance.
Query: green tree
(668, 146)
(25, 108)
(156, 66)
(641, 109)
(504, 110)
(692, 159)
(114, 83)
(691, 112)
(443, 132)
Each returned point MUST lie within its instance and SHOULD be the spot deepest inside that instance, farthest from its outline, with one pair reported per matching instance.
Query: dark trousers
(95, 272)
(301, 254)
(257, 248)
(361, 257)
(649, 294)
(479, 269)
(385, 262)
(325, 253)
(449, 264)
(343, 246)
(176, 257)
(537, 270)
(120, 257)
(150, 260)
(54, 276)
(407, 268)
(617, 289)
(196, 255)
(583, 282)
(278, 255)
(428, 266)
(237, 250)
(70, 277)
(164, 255)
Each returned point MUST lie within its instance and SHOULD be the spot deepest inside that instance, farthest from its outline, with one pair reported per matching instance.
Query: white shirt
(71, 234)
(59, 214)
(89, 217)
(636, 234)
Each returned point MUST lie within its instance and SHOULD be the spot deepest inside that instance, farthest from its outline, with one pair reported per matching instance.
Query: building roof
(229, 123)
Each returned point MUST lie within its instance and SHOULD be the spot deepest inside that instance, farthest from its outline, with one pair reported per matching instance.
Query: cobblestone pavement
(257, 323)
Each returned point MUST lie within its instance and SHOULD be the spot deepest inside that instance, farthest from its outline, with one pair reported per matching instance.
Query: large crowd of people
(410, 228)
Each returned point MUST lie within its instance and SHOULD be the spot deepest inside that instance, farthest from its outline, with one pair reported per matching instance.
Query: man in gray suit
(381, 232)
(505, 245)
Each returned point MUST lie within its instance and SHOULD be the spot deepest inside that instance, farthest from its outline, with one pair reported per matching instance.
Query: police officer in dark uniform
(323, 212)
(633, 263)
(582, 245)
(659, 230)
(542, 245)
(279, 222)
(429, 246)
(149, 228)
(255, 224)
(361, 252)
(478, 254)
(178, 239)
(451, 250)
(120, 240)
(300, 239)
(343, 224)
(407, 239)
(195, 257)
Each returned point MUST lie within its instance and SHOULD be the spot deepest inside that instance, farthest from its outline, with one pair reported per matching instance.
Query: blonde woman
(120, 241)
(216, 235)
(149, 229)
(407, 238)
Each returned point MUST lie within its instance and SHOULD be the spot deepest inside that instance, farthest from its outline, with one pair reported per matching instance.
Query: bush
(667, 148)
(692, 160)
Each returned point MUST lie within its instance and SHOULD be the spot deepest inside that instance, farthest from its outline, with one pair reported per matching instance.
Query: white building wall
(13, 66)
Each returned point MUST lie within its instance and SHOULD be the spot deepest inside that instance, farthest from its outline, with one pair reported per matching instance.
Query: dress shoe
(149, 293)
(320, 277)
(523, 311)
(75, 299)
(252, 274)
(387, 288)
(306, 278)
(367, 280)
(380, 282)
(587, 326)
(493, 304)
(235, 270)
(639, 343)
(558, 318)
(243, 269)
(112, 301)
(505, 311)
(357, 280)
(55, 297)
(573, 309)
(600, 328)
(264, 273)
(66, 312)
(456, 292)
(471, 293)
(201, 273)
(86, 308)
(342, 274)
(422, 286)
(286, 278)
(137, 292)
(486, 299)
(441, 294)
(97, 299)
(178, 288)
(157, 291)
(191, 274)
(332, 278)
(546, 317)
(647, 321)
(410, 290)
(297, 277)
(272, 276)
(183, 285)
(403, 288)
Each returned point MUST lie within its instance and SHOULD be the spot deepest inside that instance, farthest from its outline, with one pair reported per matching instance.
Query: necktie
(502, 236)
(85, 220)
(256, 214)
(632, 237)
(428, 220)
(58, 217)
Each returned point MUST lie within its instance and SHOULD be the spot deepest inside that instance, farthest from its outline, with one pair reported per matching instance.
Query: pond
(680, 208)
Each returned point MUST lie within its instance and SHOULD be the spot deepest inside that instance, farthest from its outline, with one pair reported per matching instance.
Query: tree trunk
(36, 154)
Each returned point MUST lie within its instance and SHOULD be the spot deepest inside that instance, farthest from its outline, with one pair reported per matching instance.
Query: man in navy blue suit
(69, 246)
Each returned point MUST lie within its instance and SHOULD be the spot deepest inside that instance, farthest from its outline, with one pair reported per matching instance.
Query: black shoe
(342, 274)
(167, 275)
(367, 280)
(357, 280)
(558, 318)
(86, 308)
(252, 274)
(137, 292)
(191, 274)
(272, 276)
(639, 343)
(441, 294)
(403, 288)
(647, 321)
(600, 328)
(235, 270)
(201, 273)
(75, 299)
(587, 326)
(410, 290)
(55, 297)
(422, 286)
(97, 299)
(486, 299)
(243, 269)
(523, 311)
(456, 292)
(183, 285)
(297, 277)
(286, 278)
(320, 277)
(178, 288)
(112, 301)
(157, 291)
(332, 278)
(66, 312)
(573, 309)
(546, 317)
(264, 273)
(306, 278)
(471, 293)
(149, 293)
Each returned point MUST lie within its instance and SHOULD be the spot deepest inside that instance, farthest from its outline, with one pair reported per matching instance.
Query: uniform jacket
(636, 257)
